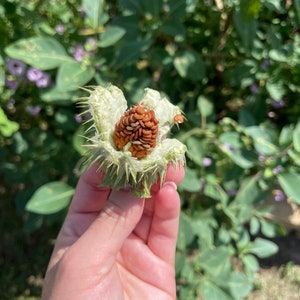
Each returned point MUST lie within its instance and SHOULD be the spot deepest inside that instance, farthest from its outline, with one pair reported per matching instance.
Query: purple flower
(206, 161)
(33, 110)
(15, 66)
(277, 103)
(254, 88)
(277, 169)
(78, 52)
(34, 74)
(271, 114)
(279, 195)
(12, 84)
(91, 44)
(60, 29)
(265, 64)
(44, 81)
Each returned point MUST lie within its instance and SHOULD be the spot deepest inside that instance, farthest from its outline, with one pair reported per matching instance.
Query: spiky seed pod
(131, 145)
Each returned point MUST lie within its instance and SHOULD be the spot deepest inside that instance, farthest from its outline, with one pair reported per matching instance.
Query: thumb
(106, 235)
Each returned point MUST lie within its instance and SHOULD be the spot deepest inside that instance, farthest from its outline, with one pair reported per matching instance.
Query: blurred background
(232, 66)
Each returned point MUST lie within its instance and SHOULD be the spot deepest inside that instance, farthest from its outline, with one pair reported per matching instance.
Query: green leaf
(196, 150)
(248, 191)
(205, 106)
(186, 233)
(153, 7)
(132, 7)
(296, 137)
(50, 198)
(111, 35)
(215, 262)
(210, 291)
(290, 183)
(263, 248)
(215, 192)
(95, 12)
(190, 182)
(250, 262)
(174, 28)
(44, 53)
(131, 52)
(239, 285)
(190, 65)
(275, 89)
(262, 140)
(7, 127)
(55, 95)
(246, 29)
(286, 135)
(72, 75)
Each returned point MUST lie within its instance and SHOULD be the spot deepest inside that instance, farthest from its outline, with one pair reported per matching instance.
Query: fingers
(143, 228)
(164, 227)
(117, 219)
(89, 196)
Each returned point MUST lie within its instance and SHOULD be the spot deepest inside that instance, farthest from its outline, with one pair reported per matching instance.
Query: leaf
(296, 137)
(250, 262)
(190, 182)
(190, 65)
(290, 183)
(72, 74)
(215, 192)
(132, 7)
(196, 150)
(55, 95)
(50, 198)
(186, 233)
(262, 140)
(205, 106)
(95, 12)
(286, 135)
(246, 119)
(275, 89)
(246, 29)
(173, 27)
(111, 35)
(131, 52)
(44, 53)
(248, 191)
(239, 285)
(7, 127)
(210, 291)
(215, 262)
(153, 7)
(263, 248)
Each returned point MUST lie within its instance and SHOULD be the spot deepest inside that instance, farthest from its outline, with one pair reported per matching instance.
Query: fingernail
(171, 183)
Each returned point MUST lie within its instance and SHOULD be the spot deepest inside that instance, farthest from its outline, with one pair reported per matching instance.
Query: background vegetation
(231, 65)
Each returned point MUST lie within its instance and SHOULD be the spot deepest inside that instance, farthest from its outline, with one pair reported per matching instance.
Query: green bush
(232, 66)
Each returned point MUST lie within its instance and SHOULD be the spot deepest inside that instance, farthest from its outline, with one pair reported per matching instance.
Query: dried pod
(131, 145)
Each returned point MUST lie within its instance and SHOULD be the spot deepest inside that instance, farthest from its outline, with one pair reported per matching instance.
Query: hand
(115, 246)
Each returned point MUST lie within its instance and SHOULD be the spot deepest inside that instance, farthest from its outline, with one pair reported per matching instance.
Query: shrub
(232, 66)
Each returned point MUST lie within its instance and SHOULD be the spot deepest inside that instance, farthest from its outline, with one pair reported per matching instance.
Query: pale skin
(115, 246)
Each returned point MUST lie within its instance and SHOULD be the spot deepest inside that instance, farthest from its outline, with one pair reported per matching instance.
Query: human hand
(115, 246)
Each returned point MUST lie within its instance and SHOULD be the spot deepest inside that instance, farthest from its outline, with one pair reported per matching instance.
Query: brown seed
(139, 126)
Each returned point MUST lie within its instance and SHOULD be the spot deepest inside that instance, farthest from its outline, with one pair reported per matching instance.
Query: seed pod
(131, 145)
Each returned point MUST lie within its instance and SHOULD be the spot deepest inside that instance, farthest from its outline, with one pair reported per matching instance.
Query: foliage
(232, 66)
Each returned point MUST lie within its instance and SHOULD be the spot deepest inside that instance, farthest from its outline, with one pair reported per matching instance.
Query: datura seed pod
(131, 145)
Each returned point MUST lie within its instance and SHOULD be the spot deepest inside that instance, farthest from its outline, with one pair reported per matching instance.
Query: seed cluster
(139, 126)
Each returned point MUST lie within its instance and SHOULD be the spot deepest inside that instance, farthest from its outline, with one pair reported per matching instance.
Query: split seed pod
(131, 146)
